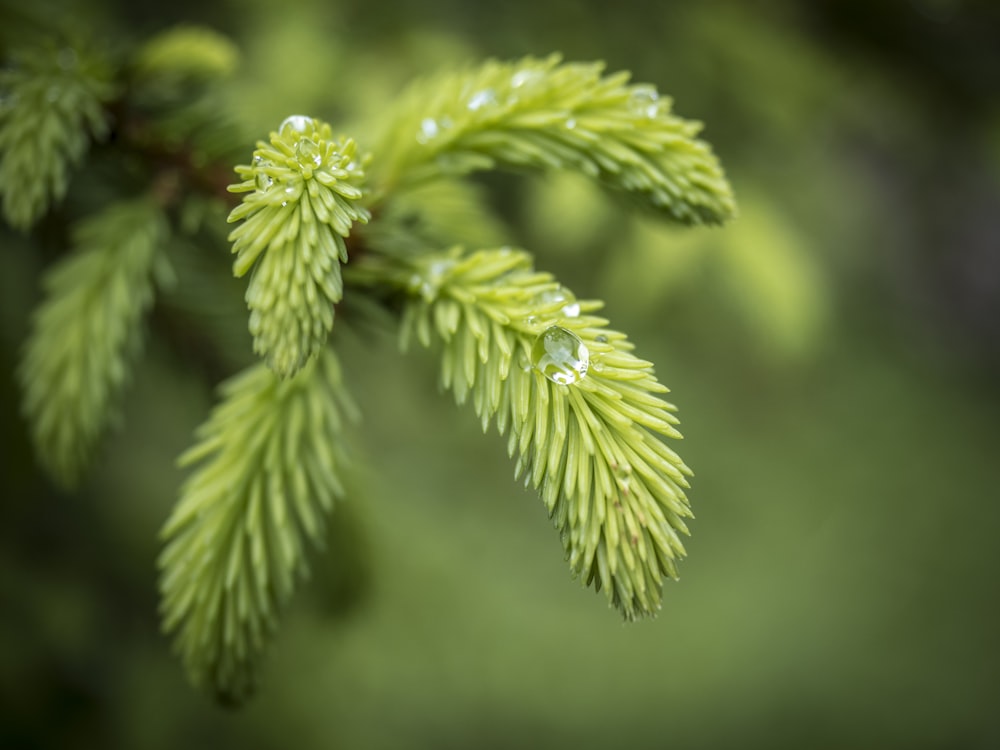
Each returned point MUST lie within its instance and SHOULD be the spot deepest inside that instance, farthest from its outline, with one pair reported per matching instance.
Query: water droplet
(602, 339)
(482, 99)
(264, 181)
(524, 77)
(571, 123)
(644, 101)
(429, 128)
(307, 154)
(433, 278)
(560, 356)
(297, 124)
(570, 307)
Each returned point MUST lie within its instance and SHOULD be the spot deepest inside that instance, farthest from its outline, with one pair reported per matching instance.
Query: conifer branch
(584, 418)
(183, 57)
(544, 114)
(582, 414)
(170, 112)
(86, 330)
(268, 466)
(51, 105)
(301, 199)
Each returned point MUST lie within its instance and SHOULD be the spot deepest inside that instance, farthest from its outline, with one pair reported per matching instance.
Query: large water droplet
(560, 356)
(296, 124)
(482, 99)
(644, 101)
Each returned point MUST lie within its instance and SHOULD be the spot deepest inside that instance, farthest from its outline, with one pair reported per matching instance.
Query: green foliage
(51, 103)
(300, 203)
(86, 331)
(186, 54)
(268, 464)
(546, 115)
(583, 416)
(584, 421)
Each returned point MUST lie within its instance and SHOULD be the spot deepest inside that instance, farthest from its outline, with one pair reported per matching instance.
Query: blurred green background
(834, 353)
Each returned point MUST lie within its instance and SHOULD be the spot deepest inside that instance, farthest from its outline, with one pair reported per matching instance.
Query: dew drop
(307, 154)
(524, 77)
(429, 128)
(296, 124)
(433, 280)
(602, 339)
(571, 123)
(264, 181)
(482, 99)
(644, 101)
(560, 356)
(570, 307)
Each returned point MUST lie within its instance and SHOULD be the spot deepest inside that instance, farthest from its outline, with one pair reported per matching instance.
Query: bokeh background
(834, 353)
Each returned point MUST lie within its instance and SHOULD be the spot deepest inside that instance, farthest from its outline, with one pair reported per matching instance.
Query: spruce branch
(301, 199)
(86, 331)
(51, 105)
(582, 414)
(171, 111)
(185, 56)
(268, 466)
(545, 114)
